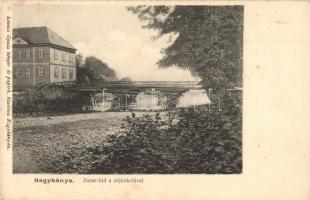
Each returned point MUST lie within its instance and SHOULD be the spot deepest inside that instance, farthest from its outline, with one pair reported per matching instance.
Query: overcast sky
(110, 33)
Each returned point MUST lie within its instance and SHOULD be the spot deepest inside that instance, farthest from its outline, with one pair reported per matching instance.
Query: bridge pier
(144, 100)
(129, 99)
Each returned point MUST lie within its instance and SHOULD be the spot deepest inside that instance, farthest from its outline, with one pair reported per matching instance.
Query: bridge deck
(138, 86)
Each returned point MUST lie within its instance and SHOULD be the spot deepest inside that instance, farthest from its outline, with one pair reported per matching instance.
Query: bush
(201, 142)
(48, 99)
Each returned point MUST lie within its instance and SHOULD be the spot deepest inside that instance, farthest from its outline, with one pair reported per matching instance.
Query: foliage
(93, 69)
(97, 68)
(48, 99)
(82, 76)
(200, 142)
(80, 61)
(209, 40)
(140, 148)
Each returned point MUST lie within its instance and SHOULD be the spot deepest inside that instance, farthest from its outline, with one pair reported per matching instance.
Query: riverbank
(42, 144)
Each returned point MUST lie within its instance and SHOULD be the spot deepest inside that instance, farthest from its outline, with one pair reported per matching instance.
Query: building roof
(41, 35)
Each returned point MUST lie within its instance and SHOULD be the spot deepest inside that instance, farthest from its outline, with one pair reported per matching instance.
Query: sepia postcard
(155, 100)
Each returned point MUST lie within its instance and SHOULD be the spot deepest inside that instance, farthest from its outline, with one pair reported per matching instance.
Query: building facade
(41, 56)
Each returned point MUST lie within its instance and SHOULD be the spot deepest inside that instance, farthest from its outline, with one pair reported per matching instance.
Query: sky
(111, 33)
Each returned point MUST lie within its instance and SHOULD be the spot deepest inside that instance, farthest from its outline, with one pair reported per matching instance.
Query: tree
(96, 69)
(209, 40)
(79, 61)
(93, 69)
(82, 76)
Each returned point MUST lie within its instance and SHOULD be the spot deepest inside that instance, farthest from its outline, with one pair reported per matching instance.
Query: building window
(19, 55)
(41, 53)
(40, 71)
(71, 58)
(17, 72)
(64, 73)
(56, 74)
(55, 54)
(70, 74)
(27, 73)
(27, 54)
(63, 56)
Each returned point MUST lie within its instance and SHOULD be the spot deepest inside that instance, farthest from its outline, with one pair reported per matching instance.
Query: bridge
(135, 87)
(125, 94)
(160, 94)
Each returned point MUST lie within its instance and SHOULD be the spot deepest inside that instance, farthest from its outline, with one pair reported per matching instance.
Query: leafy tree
(93, 69)
(97, 69)
(209, 40)
(80, 61)
(82, 75)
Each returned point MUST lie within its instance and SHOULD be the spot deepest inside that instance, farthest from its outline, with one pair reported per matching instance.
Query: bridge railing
(144, 84)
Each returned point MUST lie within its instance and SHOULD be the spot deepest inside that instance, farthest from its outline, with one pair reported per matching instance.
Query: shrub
(201, 142)
(48, 99)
